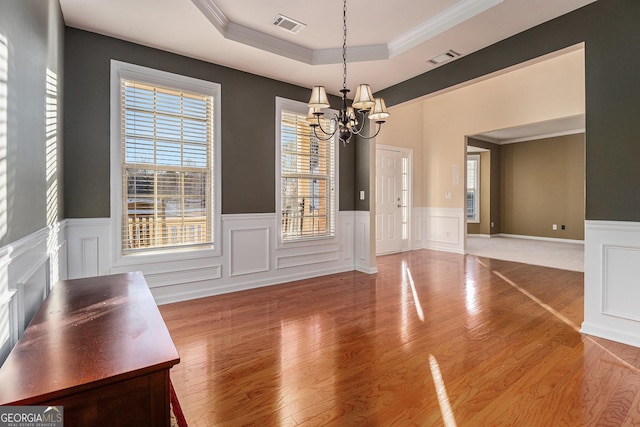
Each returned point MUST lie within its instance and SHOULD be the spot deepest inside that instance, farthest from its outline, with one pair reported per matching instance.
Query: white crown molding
(213, 13)
(356, 54)
(460, 12)
(440, 23)
(534, 137)
(543, 136)
(269, 43)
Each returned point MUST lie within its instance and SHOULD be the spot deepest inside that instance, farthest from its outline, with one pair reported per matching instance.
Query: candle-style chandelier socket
(349, 120)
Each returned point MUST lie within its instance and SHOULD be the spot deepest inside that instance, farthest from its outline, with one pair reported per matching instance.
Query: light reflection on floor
(441, 391)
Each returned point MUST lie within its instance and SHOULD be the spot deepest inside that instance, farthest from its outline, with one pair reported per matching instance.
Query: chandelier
(349, 120)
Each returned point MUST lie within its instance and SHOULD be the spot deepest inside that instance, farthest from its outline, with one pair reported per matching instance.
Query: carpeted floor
(566, 256)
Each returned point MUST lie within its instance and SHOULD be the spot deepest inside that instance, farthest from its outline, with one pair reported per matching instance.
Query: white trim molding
(458, 13)
(28, 269)
(249, 257)
(440, 229)
(611, 290)
(362, 243)
(521, 236)
(89, 247)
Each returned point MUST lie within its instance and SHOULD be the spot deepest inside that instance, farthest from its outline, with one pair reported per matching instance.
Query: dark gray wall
(33, 33)
(611, 34)
(248, 128)
(363, 151)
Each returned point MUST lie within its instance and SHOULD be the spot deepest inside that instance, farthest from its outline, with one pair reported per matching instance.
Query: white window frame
(122, 70)
(302, 108)
(476, 201)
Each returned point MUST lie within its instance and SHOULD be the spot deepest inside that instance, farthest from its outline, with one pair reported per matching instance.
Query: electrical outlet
(447, 195)
(554, 227)
(563, 227)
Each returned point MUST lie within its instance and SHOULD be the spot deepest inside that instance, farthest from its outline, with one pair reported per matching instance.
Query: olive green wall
(31, 137)
(610, 31)
(542, 183)
(248, 128)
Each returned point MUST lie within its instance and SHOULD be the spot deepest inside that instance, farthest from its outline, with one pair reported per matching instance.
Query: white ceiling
(389, 41)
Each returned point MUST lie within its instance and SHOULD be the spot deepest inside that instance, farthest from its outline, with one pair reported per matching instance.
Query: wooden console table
(99, 347)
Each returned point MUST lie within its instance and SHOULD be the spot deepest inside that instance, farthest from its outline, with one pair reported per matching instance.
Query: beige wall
(436, 127)
(404, 130)
(542, 183)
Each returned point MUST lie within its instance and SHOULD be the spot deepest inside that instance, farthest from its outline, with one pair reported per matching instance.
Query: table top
(88, 332)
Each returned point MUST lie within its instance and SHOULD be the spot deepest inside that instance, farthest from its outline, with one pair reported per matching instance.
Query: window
(167, 127)
(405, 197)
(473, 188)
(306, 178)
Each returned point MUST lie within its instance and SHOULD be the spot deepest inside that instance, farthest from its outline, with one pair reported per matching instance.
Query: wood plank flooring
(432, 339)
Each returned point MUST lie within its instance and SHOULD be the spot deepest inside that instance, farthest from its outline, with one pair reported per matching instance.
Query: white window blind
(307, 171)
(167, 167)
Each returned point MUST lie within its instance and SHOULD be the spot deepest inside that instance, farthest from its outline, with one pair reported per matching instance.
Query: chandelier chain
(348, 121)
(344, 45)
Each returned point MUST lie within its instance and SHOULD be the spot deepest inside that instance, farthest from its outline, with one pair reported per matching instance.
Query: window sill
(165, 255)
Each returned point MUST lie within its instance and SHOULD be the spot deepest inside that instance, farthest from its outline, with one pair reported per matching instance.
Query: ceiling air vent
(444, 57)
(288, 24)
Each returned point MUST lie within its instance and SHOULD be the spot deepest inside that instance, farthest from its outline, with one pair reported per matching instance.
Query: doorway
(393, 199)
(532, 190)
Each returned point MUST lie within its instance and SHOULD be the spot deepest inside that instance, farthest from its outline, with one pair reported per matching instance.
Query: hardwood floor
(433, 339)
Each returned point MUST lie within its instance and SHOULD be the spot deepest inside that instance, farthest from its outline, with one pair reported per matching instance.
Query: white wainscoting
(89, 243)
(28, 269)
(612, 281)
(364, 261)
(248, 250)
(250, 256)
(440, 229)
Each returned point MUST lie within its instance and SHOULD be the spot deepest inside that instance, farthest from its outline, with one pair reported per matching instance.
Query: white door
(388, 201)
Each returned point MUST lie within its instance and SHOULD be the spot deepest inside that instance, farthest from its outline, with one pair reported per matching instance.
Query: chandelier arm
(356, 129)
(320, 138)
(372, 136)
(333, 120)
(329, 134)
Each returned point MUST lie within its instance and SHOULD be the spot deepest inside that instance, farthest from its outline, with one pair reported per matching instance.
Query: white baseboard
(546, 239)
(611, 334)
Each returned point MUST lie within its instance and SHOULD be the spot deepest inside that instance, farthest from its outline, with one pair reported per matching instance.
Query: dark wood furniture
(100, 348)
